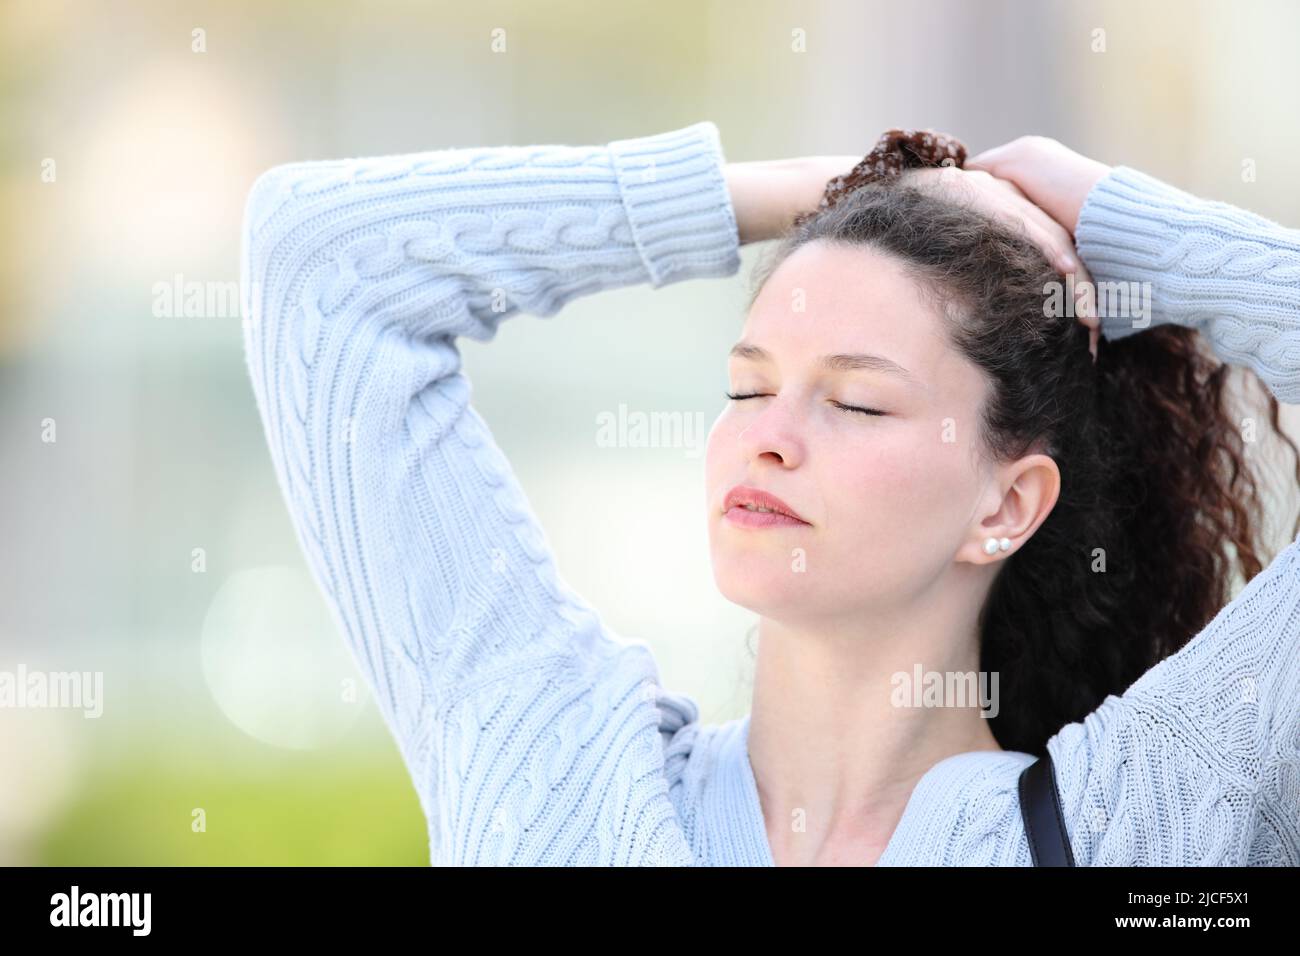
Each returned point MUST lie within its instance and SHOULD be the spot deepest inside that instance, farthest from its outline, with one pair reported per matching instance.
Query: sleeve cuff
(1123, 233)
(677, 203)
(1139, 234)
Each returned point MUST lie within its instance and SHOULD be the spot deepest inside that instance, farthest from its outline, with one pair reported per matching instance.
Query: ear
(1029, 488)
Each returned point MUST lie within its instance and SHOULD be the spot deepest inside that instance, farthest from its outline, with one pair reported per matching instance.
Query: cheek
(897, 505)
(903, 489)
(719, 448)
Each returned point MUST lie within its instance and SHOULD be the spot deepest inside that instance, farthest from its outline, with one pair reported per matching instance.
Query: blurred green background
(148, 541)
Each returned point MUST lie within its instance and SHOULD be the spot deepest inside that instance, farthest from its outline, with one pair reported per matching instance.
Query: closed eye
(855, 408)
(847, 408)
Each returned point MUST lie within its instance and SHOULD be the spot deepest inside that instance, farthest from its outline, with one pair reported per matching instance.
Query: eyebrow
(842, 362)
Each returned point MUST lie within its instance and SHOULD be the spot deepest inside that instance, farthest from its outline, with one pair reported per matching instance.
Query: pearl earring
(993, 545)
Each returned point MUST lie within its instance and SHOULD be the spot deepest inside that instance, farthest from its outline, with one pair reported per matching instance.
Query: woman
(534, 735)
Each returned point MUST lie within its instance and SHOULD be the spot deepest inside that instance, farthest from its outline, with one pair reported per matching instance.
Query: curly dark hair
(1154, 469)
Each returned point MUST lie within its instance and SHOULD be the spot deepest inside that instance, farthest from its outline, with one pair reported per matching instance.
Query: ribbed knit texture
(535, 735)
(1228, 273)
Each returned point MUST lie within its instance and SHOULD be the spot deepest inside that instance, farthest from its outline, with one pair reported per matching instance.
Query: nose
(773, 434)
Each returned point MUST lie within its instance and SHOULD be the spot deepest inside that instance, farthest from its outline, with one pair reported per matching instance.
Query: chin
(762, 583)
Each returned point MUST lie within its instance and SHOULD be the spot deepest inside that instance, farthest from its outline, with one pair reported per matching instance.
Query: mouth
(754, 508)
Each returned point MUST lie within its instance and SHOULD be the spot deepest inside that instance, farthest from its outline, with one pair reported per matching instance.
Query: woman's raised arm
(532, 734)
(1161, 255)
(1203, 750)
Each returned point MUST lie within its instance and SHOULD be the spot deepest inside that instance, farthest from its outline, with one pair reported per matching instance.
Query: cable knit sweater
(535, 735)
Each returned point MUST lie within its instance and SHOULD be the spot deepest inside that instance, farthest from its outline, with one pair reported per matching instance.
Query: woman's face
(888, 499)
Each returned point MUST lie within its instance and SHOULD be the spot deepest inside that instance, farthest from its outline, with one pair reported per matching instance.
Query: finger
(1066, 258)
(1010, 185)
(1085, 291)
(1019, 211)
(1087, 315)
(1085, 303)
(1058, 245)
(1055, 242)
(1051, 237)
(989, 158)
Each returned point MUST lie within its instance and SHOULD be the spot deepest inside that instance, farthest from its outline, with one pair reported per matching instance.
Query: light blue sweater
(533, 734)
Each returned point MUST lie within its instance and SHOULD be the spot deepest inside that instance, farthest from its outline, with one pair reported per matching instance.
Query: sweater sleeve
(532, 733)
(1198, 762)
(1161, 255)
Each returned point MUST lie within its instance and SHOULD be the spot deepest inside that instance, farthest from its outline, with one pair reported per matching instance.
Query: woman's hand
(1004, 200)
(767, 195)
(1051, 174)
(1054, 177)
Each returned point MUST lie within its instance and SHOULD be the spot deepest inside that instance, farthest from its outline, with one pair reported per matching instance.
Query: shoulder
(1143, 784)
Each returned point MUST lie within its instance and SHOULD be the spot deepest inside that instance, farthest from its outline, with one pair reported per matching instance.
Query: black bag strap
(1040, 806)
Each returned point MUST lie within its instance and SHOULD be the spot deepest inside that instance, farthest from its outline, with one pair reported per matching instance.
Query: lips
(742, 495)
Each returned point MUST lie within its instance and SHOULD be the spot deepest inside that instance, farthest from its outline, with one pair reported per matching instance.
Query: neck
(835, 730)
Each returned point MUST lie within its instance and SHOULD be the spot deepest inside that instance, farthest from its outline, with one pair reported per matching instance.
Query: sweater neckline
(914, 808)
